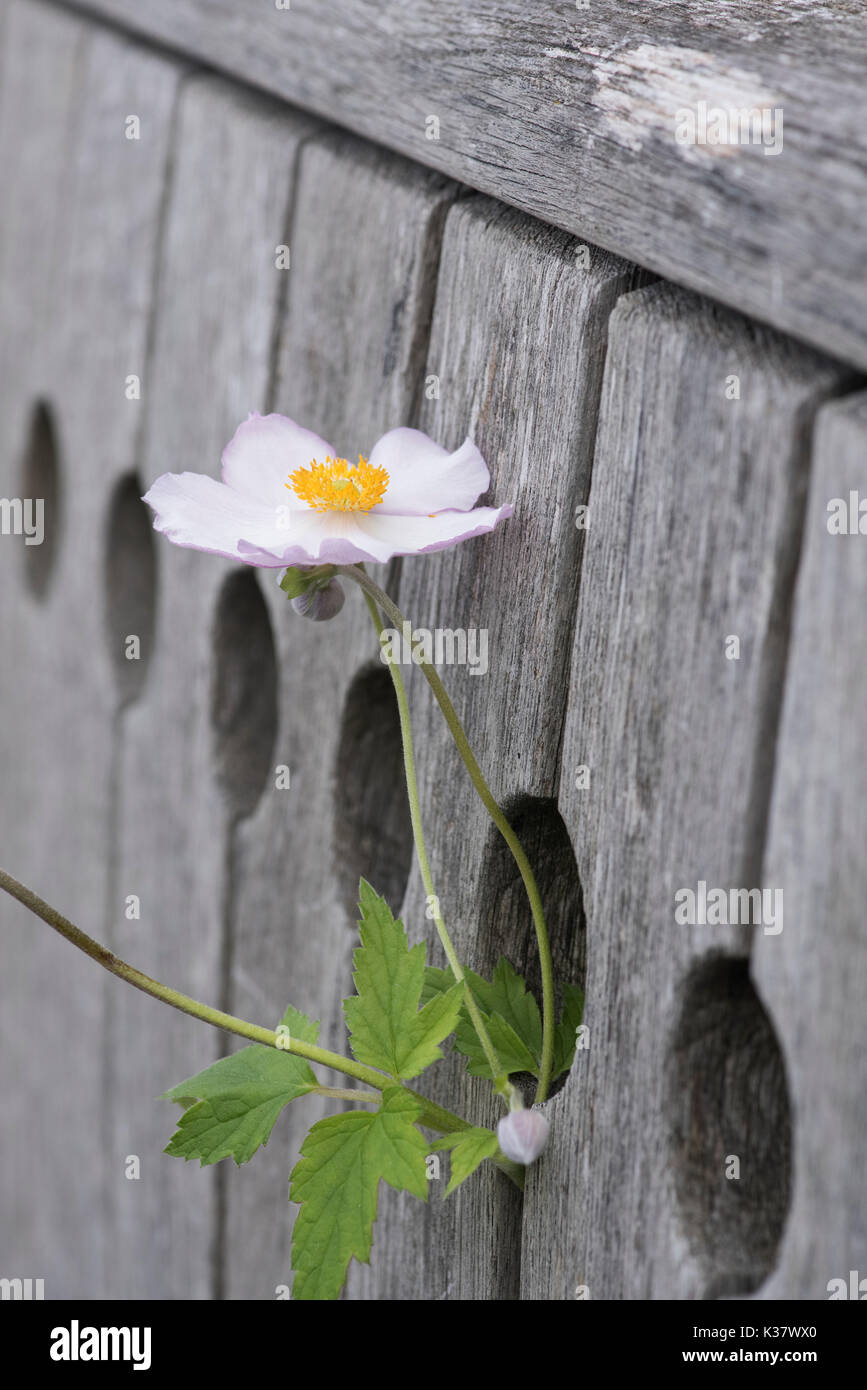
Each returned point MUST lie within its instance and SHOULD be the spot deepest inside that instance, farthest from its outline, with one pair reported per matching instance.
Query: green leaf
(299, 1025)
(387, 1030)
(232, 1106)
(512, 1054)
(436, 982)
(564, 1034)
(509, 998)
(470, 1147)
(513, 1019)
(508, 993)
(336, 1180)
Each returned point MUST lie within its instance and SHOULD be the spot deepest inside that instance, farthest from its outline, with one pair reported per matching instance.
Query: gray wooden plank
(515, 306)
(695, 513)
(81, 220)
(365, 244)
(32, 1159)
(570, 113)
(813, 976)
(219, 292)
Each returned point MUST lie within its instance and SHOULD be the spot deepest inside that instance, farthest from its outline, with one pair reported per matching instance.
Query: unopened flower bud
(523, 1135)
(319, 604)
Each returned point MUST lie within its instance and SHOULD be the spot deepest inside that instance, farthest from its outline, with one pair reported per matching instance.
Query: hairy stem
(344, 1093)
(433, 1116)
(374, 594)
(501, 1080)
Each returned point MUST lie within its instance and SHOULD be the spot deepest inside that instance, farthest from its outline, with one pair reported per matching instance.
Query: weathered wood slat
(80, 228)
(521, 373)
(365, 244)
(570, 113)
(813, 976)
(695, 512)
(33, 1160)
(219, 292)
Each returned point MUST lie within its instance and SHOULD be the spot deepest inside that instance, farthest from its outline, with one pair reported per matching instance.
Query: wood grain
(218, 296)
(570, 114)
(696, 506)
(813, 976)
(365, 244)
(80, 231)
(521, 374)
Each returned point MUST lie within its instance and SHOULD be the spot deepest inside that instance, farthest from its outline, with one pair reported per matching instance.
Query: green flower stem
(373, 593)
(433, 1116)
(502, 1084)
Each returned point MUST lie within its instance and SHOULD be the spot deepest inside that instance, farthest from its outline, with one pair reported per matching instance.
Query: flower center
(337, 486)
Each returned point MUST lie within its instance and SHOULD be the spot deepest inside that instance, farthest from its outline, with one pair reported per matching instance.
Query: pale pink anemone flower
(286, 499)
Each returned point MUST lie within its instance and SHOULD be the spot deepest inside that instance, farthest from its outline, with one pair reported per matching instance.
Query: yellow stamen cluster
(337, 486)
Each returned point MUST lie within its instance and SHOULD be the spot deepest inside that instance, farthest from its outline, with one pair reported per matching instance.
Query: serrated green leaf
(336, 1181)
(183, 1101)
(470, 1147)
(387, 1030)
(508, 997)
(429, 1027)
(565, 1032)
(436, 982)
(511, 999)
(237, 1102)
(299, 1025)
(503, 1003)
(511, 1015)
(513, 1019)
(512, 1053)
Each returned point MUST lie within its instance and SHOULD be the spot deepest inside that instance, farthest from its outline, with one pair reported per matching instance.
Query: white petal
(424, 478)
(264, 450)
(194, 510)
(347, 538)
(318, 538)
(417, 535)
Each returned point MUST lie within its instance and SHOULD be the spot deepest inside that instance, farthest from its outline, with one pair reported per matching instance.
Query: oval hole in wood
(727, 1098)
(372, 828)
(243, 692)
(505, 920)
(130, 586)
(40, 483)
